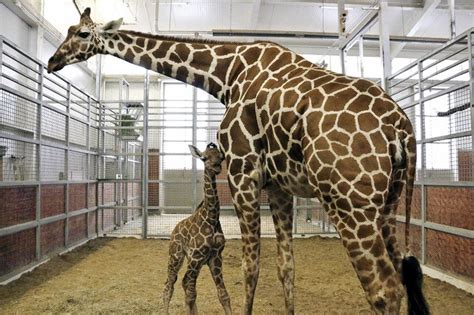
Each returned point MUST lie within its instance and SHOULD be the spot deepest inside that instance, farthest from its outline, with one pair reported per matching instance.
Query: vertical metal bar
(342, 57)
(361, 55)
(1, 59)
(38, 153)
(102, 159)
(194, 142)
(342, 49)
(66, 161)
(145, 157)
(295, 215)
(470, 42)
(384, 43)
(423, 162)
(452, 18)
(88, 161)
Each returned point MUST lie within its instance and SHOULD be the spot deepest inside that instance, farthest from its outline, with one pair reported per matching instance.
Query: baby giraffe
(199, 238)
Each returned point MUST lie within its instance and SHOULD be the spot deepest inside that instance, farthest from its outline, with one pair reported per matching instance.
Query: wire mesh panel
(174, 179)
(437, 93)
(48, 196)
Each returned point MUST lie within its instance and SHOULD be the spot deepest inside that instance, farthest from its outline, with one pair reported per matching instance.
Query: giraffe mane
(189, 39)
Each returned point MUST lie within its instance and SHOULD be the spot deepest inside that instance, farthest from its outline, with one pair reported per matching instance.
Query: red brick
(52, 237)
(453, 206)
(415, 238)
(92, 226)
(92, 202)
(415, 203)
(77, 229)
(53, 200)
(77, 196)
(17, 250)
(451, 253)
(17, 205)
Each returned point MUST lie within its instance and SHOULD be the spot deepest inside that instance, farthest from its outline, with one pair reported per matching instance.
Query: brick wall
(453, 206)
(153, 174)
(77, 228)
(77, 196)
(415, 238)
(17, 250)
(451, 253)
(92, 223)
(53, 200)
(107, 191)
(415, 203)
(52, 236)
(92, 202)
(17, 205)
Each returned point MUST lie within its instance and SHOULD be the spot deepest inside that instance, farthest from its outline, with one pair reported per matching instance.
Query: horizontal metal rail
(33, 224)
(439, 227)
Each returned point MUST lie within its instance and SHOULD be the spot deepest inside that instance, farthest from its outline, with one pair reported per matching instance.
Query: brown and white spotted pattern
(199, 238)
(294, 129)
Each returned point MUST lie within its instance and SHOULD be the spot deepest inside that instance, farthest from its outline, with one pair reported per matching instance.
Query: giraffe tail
(413, 280)
(412, 275)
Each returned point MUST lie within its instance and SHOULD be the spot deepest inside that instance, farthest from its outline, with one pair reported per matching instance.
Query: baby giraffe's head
(211, 157)
(83, 41)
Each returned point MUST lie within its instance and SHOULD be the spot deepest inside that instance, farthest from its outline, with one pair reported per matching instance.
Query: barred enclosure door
(156, 140)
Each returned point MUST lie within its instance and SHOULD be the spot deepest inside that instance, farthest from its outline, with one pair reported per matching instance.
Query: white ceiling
(202, 17)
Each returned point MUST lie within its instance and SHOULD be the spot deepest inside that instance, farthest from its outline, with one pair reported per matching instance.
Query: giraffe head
(212, 157)
(83, 41)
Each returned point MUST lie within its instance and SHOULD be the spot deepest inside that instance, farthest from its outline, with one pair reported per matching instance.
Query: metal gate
(149, 180)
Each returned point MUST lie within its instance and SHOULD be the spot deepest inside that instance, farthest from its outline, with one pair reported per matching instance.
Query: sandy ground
(127, 276)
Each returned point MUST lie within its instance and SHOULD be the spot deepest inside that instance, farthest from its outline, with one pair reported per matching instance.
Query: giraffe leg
(189, 284)
(361, 235)
(281, 205)
(245, 197)
(174, 264)
(215, 266)
(389, 221)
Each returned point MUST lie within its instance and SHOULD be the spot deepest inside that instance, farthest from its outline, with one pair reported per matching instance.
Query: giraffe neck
(211, 199)
(206, 65)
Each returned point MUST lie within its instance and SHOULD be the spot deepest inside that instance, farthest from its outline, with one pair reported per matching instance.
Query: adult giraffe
(294, 129)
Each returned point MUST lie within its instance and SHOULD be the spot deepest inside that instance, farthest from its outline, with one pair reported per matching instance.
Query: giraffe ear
(196, 153)
(112, 26)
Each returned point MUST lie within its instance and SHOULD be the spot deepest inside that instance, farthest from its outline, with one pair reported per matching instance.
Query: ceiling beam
(415, 23)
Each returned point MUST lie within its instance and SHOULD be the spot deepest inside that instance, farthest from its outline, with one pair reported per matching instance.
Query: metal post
(1, 59)
(453, 18)
(384, 42)
(361, 55)
(88, 161)
(295, 215)
(66, 161)
(342, 48)
(470, 42)
(38, 187)
(145, 157)
(423, 162)
(194, 142)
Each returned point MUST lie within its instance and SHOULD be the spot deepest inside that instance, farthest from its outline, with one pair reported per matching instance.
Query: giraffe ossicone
(294, 129)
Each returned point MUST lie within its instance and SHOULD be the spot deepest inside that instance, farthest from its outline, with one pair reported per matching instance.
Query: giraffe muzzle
(55, 64)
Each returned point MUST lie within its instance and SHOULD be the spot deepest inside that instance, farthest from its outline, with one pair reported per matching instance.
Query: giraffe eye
(83, 34)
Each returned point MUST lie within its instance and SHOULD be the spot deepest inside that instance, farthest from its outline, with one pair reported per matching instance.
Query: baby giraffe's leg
(215, 266)
(174, 264)
(189, 283)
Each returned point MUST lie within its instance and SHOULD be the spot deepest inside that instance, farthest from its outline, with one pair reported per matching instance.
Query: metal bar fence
(46, 204)
(436, 93)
